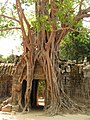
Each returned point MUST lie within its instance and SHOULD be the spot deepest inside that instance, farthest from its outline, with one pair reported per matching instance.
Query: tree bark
(43, 47)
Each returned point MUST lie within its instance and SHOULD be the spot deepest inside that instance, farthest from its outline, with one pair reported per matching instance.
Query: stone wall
(76, 81)
(86, 84)
(18, 77)
(6, 78)
(5, 85)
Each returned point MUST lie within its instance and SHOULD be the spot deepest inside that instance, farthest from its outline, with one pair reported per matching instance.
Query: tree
(75, 46)
(1, 58)
(11, 58)
(53, 20)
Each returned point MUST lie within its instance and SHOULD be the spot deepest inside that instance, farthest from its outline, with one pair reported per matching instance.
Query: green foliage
(28, 1)
(2, 9)
(65, 11)
(42, 21)
(41, 88)
(7, 8)
(5, 23)
(75, 46)
(2, 60)
(11, 58)
(14, 6)
(1, 56)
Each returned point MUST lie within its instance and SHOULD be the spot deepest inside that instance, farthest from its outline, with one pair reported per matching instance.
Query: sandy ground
(39, 115)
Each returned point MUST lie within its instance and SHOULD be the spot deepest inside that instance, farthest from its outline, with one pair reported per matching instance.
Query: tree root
(65, 105)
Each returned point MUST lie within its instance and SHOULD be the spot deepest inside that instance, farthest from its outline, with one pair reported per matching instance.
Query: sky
(10, 45)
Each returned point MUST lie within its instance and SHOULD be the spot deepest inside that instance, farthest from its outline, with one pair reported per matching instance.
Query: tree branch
(12, 28)
(71, 29)
(21, 23)
(80, 5)
(27, 23)
(62, 34)
(47, 46)
(65, 28)
(82, 14)
(23, 15)
(22, 19)
(86, 11)
(5, 16)
(78, 17)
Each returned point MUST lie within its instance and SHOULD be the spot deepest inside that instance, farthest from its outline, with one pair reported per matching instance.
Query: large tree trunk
(42, 47)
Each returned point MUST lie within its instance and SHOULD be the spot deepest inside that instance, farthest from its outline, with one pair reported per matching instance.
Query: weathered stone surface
(76, 80)
(5, 85)
(6, 79)
(7, 101)
(86, 70)
(7, 108)
(15, 108)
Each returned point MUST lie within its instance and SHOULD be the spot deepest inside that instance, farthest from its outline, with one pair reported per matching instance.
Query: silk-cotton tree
(41, 36)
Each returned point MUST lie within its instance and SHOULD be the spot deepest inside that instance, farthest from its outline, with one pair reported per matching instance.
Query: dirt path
(38, 115)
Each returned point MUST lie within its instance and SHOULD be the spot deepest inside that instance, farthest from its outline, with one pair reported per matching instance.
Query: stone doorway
(38, 94)
(24, 86)
(37, 97)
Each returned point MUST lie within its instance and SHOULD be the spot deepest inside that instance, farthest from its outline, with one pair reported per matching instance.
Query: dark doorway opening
(24, 86)
(38, 94)
(33, 97)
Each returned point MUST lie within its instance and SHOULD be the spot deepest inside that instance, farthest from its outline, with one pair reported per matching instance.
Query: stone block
(15, 108)
(7, 108)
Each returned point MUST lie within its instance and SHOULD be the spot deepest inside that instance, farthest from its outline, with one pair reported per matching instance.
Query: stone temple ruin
(76, 82)
(20, 81)
(6, 78)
